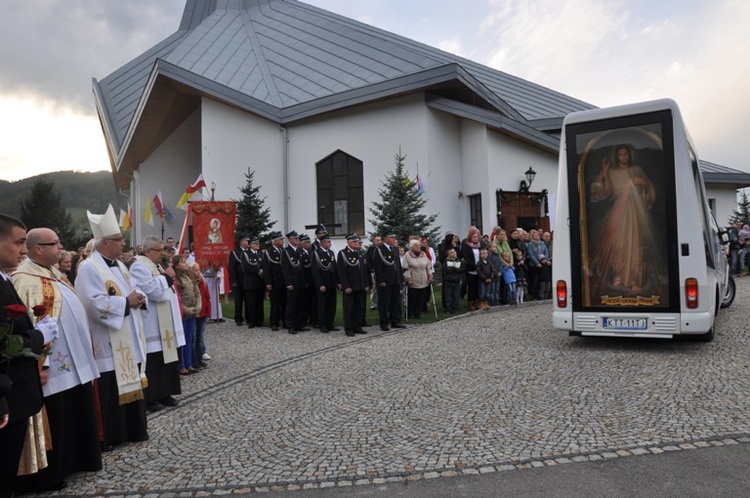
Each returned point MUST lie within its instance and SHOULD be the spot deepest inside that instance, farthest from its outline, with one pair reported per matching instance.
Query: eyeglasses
(55, 243)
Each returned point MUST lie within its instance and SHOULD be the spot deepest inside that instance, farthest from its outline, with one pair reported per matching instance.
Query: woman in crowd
(66, 265)
(540, 266)
(190, 298)
(470, 254)
(200, 321)
(418, 277)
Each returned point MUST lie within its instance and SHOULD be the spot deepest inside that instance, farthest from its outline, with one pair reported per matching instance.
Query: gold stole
(130, 382)
(166, 326)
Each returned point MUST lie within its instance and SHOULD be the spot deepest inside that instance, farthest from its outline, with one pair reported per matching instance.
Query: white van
(637, 251)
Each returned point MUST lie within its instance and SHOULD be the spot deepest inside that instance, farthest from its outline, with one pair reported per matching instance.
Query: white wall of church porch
(174, 165)
(475, 160)
(233, 141)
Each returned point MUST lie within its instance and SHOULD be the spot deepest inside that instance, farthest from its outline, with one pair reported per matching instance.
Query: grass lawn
(372, 315)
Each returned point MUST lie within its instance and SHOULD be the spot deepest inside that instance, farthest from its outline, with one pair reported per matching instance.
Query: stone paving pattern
(486, 392)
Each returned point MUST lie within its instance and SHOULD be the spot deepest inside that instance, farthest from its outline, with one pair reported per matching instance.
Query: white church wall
(174, 165)
(444, 174)
(474, 161)
(725, 202)
(372, 134)
(234, 141)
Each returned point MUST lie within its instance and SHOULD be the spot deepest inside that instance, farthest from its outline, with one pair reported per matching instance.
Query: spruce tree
(253, 218)
(401, 206)
(43, 209)
(742, 213)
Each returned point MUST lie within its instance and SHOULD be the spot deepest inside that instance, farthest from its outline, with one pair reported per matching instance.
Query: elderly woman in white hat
(418, 277)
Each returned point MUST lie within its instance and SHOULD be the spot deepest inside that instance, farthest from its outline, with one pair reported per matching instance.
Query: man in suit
(294, 279)
(236, 281)
(274, 279)
(377, 241)
(388, 278)
(354, 276)
(325, 282)
(24, 398)
(308, 311)
(252, 275)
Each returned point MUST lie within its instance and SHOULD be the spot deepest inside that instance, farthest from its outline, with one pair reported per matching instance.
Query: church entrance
(527, 210)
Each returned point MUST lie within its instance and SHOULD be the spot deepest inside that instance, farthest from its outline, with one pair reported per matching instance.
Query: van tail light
(691, 292)
(562, 294)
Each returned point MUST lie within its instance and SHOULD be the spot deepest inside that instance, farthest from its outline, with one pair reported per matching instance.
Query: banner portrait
(213, 232)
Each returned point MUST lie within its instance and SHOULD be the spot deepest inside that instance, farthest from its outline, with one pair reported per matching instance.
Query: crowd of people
(93, 340)
(739, 242)
(301, 278)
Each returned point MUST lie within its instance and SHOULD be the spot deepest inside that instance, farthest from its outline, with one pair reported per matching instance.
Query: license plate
(630, 323)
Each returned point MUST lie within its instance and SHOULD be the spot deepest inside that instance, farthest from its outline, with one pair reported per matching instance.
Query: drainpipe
(285, 145)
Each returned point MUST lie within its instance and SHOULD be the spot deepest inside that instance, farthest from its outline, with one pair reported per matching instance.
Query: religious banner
(213, 232)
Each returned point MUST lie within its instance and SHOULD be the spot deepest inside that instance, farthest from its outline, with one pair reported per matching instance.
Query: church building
(317, 105)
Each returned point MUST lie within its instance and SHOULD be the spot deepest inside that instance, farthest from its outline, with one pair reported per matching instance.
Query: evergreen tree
(252, 217)
(742, 213)
(401, 207)
(43, 208)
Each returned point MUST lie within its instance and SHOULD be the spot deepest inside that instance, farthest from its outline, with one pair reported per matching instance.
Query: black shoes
(302, 329)
(384, 328)
(239, 324)
(169, 401)
(293, 331)
(154, 407)
(275, 328)
(55, 487)
(334, 329)
(350, 333)
(323, 330)
(398, 326)
(360, 331)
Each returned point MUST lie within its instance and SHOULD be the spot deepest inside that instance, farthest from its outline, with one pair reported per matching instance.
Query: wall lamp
(530, 175)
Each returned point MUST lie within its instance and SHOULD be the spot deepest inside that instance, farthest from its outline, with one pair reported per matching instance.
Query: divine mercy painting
(621, 174)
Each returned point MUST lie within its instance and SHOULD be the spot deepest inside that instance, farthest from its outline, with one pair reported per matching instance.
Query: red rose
(15, 311)
(39, 310)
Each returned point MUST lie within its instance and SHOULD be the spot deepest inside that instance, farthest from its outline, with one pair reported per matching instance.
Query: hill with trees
(78, 192)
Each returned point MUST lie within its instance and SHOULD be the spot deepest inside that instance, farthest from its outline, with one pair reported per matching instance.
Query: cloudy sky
(605, 52)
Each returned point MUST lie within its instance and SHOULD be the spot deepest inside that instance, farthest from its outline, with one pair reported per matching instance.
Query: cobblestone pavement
(488, 392)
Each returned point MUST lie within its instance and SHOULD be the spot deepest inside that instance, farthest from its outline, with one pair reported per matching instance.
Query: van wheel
(707, 337)
(729, 294)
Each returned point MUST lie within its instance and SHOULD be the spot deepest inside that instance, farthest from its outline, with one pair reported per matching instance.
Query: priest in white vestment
(162, 325)
(113, 307)
(69, 369)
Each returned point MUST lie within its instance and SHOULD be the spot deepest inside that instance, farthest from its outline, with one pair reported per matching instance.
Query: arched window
(341, 198)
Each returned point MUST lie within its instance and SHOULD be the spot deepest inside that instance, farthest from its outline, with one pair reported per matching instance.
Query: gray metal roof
(286, 60)
(301, 60)
(715, 173)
